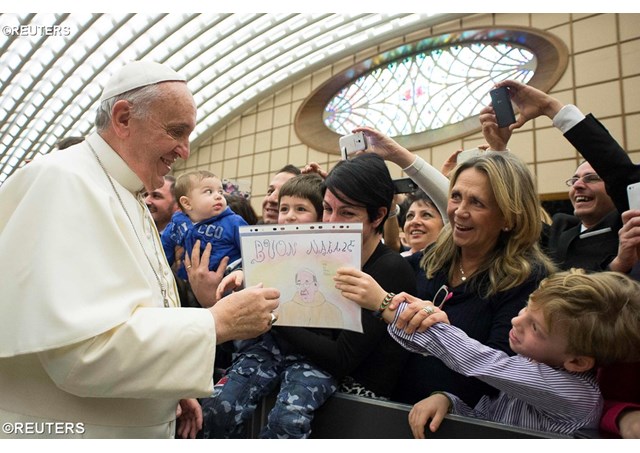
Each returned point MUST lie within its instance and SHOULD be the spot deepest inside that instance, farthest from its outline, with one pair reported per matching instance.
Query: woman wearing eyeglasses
(479, 272)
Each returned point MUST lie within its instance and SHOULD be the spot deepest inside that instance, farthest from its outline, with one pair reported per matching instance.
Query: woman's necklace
(163, 289)
(463, 277)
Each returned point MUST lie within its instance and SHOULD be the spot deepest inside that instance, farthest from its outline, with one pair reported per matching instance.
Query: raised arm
(428, 178)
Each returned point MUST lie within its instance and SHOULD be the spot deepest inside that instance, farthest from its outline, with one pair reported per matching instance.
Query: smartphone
(353, 143)
(501, 102)
(633, 193)
(405, 185)
(468, 154)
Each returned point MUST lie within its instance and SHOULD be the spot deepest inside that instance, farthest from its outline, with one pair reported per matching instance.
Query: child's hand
(435, 408)
(189, 418)
(231, 282)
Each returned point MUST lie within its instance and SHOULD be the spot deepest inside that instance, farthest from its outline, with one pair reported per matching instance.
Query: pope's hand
(245, 314)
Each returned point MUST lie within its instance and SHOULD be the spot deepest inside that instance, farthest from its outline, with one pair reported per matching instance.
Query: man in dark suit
(597, 190)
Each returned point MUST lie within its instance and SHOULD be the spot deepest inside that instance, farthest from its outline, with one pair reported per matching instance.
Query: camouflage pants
(256, 372)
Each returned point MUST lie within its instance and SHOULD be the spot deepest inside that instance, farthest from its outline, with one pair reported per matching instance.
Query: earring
(506, 229)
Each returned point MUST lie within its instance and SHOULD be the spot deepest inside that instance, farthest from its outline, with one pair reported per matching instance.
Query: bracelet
(385, 302)
(394, 213)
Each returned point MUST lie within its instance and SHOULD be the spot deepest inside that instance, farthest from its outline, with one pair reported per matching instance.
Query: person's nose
(290, 217)
(332, 218)
(462, 210)
(184, 148)
(517, 320)
(273, 198)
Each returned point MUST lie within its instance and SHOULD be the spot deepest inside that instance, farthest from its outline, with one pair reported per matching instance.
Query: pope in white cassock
(92, 340)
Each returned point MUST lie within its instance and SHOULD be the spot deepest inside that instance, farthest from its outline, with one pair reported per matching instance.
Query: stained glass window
(428, 90)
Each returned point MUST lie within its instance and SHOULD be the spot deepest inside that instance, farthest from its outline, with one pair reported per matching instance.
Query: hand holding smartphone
(501, 102)
(350, 144)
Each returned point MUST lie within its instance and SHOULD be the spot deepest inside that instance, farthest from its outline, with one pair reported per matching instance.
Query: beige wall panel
(632, 125)
(261, 163)
(298, 155)
(245, 166)
(259, 185)
(597, 66)
(282, 115)
(478, 20)
(248, 125)
(521, 144)
(601, 100)
(280, 137)
(522, 20)
(279, 158)
(548, 20)
(551, 176)
(264, 120)
(229, 169)
(551, 145)
(283, 97)
(594, 32)
(247, 145)
(302, 89)
(231, 148)
(629, 26)
(263, 141)
(630, 56)
(233, 129)
(217, 152)
(217, 168)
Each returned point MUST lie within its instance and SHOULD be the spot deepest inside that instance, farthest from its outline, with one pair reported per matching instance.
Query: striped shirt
(532, 395)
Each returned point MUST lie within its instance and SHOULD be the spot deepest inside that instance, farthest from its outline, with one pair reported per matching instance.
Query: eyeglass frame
(447, 295)
(591, 178)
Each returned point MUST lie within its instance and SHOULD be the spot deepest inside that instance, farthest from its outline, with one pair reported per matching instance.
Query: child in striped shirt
(573, 323)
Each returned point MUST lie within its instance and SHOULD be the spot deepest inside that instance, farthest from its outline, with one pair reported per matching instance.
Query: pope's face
(307, 286)
(157, 139)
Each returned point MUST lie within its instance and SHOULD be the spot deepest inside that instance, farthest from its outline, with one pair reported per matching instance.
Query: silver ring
(189, 266)
(274, 318)
(428, 310)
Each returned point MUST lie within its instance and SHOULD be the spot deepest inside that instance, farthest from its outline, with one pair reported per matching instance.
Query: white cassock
(85, 336)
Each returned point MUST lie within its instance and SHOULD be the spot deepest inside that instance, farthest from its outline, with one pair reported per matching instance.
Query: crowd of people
(487, 308)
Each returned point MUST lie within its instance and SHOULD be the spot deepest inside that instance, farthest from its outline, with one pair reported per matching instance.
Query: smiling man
(90, 321)
(162, 203)
(587, 239)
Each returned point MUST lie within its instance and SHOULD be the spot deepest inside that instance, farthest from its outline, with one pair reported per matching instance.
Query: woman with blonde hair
(480, 271)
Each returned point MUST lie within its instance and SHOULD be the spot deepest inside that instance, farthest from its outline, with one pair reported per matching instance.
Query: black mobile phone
(501, 102)
(404, 185)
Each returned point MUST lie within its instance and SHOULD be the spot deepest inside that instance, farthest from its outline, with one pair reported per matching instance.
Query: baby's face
(296, 210)
(207, 200)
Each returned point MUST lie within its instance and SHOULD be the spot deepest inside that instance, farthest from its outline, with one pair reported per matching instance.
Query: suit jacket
(566, 245)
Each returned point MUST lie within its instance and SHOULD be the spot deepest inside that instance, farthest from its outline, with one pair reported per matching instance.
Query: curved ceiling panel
(53, 66)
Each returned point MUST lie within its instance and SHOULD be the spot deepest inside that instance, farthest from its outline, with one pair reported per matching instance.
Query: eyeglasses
(446, 296)
(590, 178)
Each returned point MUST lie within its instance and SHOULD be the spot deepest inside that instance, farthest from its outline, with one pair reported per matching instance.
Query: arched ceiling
(53, 65)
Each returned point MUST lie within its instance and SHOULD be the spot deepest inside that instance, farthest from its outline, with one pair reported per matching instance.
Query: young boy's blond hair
(598, 313)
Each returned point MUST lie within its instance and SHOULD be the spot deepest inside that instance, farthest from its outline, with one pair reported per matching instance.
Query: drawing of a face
(307, 285)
